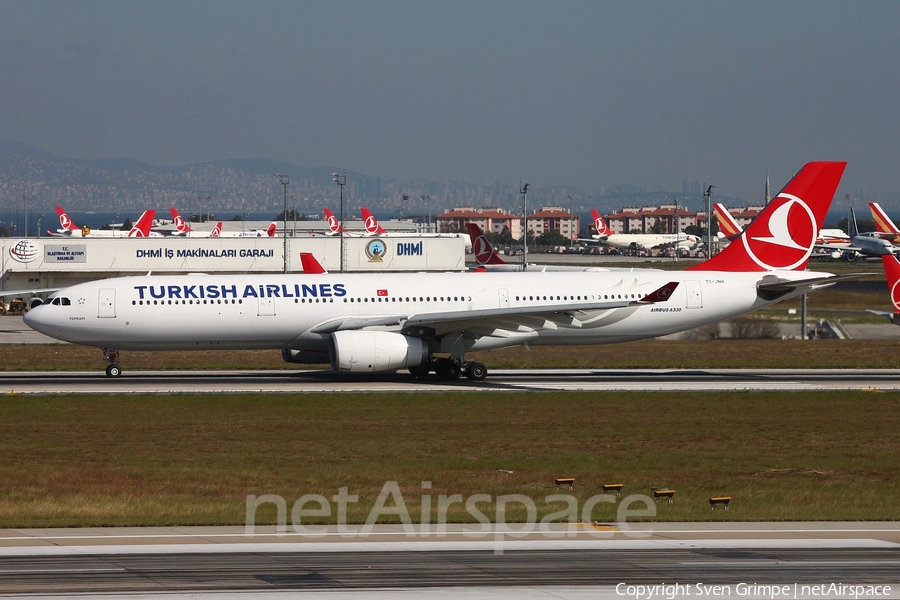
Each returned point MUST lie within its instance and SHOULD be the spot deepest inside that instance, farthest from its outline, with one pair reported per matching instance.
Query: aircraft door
(504, 298)
(266, 307)
(694, 299)
(107, 303)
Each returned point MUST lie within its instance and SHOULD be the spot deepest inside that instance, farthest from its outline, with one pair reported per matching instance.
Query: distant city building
(494, 220)
(554, 218)
(489, 219)
(743, 216)
(645, 219)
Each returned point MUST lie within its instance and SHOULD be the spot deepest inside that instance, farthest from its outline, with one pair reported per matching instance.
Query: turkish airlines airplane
(269, 231)
(643, 241)
(375, 322)
(69, 229)
(182, 229)
(487, 259)
(373, 227)
(334, 225)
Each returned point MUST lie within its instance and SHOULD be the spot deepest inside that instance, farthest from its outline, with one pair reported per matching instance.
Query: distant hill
(250, 166)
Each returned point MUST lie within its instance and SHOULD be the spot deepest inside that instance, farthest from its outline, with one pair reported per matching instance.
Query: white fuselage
(648, 241)
(300, 311)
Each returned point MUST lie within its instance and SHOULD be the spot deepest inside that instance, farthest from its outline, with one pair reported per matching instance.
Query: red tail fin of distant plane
(217, 230)
(65, 222)
(784, 234)
(333, 224)
(727, 224)
(180, 224)
(310, 264)
(883, 223)
(142, 227)
(481, 247)
(599, 224)
(270, 230)
(372, 226)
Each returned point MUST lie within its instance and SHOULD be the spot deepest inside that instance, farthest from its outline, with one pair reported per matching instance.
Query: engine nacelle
(373, 351)
(305, 357)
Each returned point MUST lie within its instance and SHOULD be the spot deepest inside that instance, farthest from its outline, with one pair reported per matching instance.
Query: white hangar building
(28, 263)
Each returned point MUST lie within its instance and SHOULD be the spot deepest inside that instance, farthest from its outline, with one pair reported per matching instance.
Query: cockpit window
(60, 301)
(55, 302)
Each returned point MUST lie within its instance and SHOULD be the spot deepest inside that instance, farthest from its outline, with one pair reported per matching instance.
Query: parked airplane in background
(866, 245)
(182, 229)
(487, 259)
(374, 322)
(69, 229)
(728, 227)
(641, 241)
(373, 227)
(883, 224)
(371, 223)
(335, 226)
(217, 231)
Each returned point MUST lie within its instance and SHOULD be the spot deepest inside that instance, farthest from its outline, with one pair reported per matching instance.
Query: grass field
(193, 459)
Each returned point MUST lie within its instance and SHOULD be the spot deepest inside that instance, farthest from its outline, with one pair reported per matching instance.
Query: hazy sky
(582, 93)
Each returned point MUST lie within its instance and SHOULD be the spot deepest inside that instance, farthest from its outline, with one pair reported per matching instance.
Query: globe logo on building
(24, 251)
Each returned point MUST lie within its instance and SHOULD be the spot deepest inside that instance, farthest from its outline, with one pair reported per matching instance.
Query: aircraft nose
(36, 319)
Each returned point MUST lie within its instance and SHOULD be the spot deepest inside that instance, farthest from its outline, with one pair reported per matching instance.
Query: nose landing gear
(111, 355)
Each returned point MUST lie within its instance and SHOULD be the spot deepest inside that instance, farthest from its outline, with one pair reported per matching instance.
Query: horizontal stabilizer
(770, 286)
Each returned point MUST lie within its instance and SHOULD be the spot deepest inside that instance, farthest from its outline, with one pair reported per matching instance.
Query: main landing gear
(111, 355)
(449, 369)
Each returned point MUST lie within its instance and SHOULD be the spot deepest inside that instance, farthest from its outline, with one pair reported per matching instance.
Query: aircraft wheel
(476, 371)
(447, 370)
(113, 371)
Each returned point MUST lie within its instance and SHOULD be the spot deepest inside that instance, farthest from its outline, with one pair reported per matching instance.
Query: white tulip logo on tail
(895, 295)
(790, 238)
(482, 249)
(371, 224)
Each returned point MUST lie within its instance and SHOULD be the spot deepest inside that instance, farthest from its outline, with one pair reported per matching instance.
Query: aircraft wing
(548, 316)
(593, 240)
(839, 247)
(4, 294)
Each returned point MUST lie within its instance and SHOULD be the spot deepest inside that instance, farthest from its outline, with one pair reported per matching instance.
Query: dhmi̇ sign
(69, 253)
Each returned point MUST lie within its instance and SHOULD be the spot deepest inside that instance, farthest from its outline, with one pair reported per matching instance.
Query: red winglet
(660, 295)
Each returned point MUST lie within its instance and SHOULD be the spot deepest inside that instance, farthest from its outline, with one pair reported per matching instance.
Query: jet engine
(372, 351)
